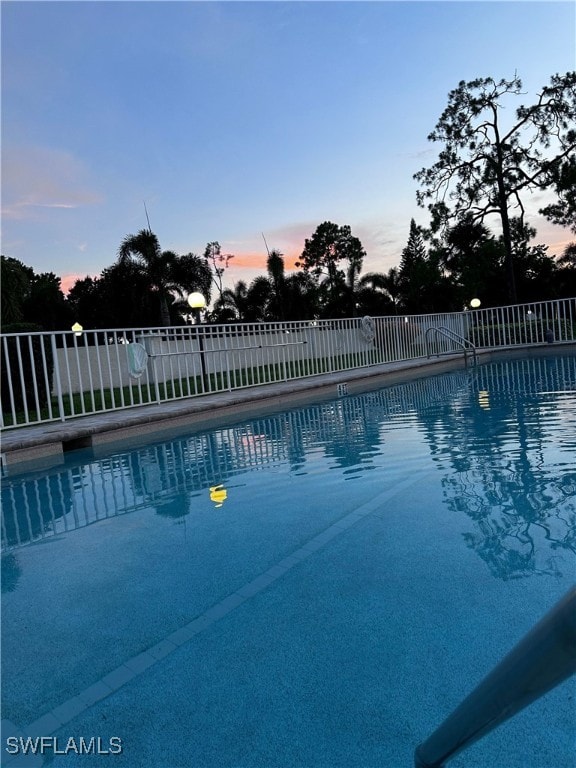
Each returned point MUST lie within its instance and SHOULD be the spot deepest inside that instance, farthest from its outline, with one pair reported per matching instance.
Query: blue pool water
(317, 588)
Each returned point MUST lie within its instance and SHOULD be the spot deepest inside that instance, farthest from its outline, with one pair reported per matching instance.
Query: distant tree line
(148, 287)
(485, 167)
(28, 298)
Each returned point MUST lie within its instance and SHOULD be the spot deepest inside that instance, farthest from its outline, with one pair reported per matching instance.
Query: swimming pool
(319, 587)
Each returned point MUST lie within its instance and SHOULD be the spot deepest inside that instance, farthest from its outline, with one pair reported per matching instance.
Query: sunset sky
(234, 119)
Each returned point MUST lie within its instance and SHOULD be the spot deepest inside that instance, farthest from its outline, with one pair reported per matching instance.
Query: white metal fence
(57, 376)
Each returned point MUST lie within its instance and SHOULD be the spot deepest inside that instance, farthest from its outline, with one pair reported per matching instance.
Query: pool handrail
(544, 658)
(451, 335)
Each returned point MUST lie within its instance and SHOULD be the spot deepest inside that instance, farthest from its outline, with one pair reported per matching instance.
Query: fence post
(59, 395)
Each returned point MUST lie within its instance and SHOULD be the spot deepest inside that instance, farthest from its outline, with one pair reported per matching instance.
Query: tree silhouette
(566, 272)
(536, 271)
(563, 212)
(230, 306)
(217, 262)
(15, 281)
(474, 261)
(373, 294)
(45, 303)
(31, 298)
(322, 258)
(277, 278)
(164, 271)
(486, 165)
(419, 277)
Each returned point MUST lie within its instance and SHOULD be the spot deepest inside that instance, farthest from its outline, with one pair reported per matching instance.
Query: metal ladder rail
(543, 659)
(451, 335)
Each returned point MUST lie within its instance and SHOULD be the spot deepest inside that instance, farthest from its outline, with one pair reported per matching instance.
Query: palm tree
(392, 286)
(231, 304)
(567, 271)
(377, 291)
(166, 272)
(301, 297)
(258, 300)
(248, 304)
(277, 280)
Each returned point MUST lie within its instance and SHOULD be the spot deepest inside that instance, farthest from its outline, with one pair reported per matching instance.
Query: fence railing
(57, 376)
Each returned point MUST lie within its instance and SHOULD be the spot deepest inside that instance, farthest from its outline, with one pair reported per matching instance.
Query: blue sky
(232, 119)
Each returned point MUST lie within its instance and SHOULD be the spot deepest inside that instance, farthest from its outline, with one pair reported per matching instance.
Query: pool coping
(44, 445)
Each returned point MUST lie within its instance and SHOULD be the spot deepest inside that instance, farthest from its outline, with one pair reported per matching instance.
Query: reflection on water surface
(502, 437)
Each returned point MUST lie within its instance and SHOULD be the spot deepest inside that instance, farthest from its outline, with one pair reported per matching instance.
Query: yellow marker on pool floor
(484, 399)
(218, 494)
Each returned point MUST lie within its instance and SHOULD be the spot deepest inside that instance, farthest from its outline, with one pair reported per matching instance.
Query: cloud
(289, 240)
(382, 244)
(67, 281)
(254, 262)
(250, 252)
(38, 178)
(249, 261)
(420, 155)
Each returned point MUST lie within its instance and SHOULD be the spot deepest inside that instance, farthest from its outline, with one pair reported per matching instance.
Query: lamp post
(197, 302)
(474, 304)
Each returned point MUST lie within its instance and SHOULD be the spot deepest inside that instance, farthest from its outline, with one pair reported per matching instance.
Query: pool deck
(45, 444)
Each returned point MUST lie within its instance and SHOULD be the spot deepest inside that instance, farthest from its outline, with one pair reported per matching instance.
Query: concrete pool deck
(45, 444)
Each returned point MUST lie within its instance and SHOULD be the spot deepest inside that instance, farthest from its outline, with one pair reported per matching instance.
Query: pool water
(316, 588)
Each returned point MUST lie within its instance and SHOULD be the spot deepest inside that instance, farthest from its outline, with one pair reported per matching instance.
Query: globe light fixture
(475, 303)
(196, 301)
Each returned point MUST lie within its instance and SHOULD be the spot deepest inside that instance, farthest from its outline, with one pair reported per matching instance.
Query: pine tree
(420, 278)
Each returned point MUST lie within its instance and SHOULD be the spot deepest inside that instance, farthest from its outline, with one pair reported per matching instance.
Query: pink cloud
(37, 178)
(67, 281)
(250, 253)
(382, 246)
(248, 260)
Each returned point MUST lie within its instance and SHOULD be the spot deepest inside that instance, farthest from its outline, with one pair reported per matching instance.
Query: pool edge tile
(43, 726)
(69, 709)
(94, 693)
(141, 662)
(162, 649)
(119, 677)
